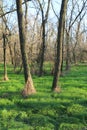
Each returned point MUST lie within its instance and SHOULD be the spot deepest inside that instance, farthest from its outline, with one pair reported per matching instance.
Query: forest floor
(44, 110)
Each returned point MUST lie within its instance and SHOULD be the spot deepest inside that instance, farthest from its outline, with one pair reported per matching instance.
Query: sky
(10, 4)
(12, 18)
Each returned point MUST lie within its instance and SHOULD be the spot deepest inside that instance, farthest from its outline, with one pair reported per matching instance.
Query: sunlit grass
(44, 110)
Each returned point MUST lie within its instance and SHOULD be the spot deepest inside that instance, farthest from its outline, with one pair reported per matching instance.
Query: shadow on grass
(44, 110)
(38, 113)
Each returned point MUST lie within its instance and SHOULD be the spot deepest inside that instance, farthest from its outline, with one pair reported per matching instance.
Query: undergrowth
(44, 110)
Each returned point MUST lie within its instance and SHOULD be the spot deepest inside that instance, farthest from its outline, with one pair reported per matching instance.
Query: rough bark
(29, 88)
(59, 47)
(42, 50)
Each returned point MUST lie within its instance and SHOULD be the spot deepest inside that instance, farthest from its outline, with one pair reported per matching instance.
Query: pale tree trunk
(29, 88)
(11, 53)
(58, 61)
(6, 27)
(67, 52)
(61, 73)
(4, 56)
(4, 43)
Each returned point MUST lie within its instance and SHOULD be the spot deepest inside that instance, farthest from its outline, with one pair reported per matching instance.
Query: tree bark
(59, 47)
(4, 55)
(67, 52)
(42, 49)
(11, 53)
(29, 88)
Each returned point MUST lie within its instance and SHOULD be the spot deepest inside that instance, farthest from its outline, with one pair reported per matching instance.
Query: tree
(4, 36)
(4, 56)
(60, 35)
(44, 17)
(71, 22)
(29, 88)
(61, 73)
(77, 38)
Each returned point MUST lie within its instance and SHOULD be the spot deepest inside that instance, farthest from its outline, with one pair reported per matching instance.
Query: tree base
(67, 68)
(29, 88)
(6, 78)
(62, 74)
(57, 89)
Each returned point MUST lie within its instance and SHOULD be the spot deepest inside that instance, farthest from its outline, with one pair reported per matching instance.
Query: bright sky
(9, 5)
(12, 18)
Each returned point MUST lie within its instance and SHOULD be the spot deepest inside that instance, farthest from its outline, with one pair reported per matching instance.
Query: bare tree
(62, 39)
(4, 56)
(5, 40)
(77, 39)
(71, 22)
(44, 17)
(60, 35)
(29, 88)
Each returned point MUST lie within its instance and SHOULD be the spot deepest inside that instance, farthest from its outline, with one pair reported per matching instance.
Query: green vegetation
(44, 110)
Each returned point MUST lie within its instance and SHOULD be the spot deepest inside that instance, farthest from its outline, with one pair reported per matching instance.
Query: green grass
(44, 110)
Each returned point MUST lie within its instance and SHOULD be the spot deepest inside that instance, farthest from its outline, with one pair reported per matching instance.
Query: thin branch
(78, 14)
(13, 10)
(54, 11)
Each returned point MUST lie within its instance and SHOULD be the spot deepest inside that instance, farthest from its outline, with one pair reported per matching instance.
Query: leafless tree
(60, 35)
(44, 17)
(29, 88)
(71, 21)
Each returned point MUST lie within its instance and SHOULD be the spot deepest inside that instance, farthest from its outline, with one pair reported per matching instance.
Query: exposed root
(57, 89)
(29, 88)
(6, 78)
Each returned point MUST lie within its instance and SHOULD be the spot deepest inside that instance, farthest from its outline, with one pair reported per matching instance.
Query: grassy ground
(44, 110)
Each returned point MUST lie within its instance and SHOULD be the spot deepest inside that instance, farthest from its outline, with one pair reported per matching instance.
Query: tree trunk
(42, 50)
(11, 53)
(67, 52)
(59, 46)
(29, 88)
(4, 55)
(61, 73)
(43, 45)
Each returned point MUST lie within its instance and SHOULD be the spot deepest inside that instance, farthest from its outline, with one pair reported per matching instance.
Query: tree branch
(11, 11)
